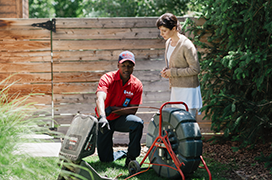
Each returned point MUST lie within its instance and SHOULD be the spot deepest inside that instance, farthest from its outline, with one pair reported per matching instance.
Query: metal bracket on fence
(50, 25)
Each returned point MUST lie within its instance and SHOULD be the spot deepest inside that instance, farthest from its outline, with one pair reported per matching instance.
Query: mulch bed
(243, 161)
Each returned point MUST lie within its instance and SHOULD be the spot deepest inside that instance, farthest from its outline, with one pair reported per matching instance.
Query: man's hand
(103, 124)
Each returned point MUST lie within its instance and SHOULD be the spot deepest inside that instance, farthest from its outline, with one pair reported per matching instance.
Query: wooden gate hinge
(50, 25)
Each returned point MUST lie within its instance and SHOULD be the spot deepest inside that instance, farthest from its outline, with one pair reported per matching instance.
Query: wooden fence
(13, 8)
(61, 65)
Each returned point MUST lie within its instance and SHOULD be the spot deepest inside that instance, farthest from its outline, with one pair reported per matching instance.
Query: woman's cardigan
(183, 63)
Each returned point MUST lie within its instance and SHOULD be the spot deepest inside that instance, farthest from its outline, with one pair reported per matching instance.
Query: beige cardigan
(183, 63)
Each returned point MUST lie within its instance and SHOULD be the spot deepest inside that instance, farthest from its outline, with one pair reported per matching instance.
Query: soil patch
(243, 161)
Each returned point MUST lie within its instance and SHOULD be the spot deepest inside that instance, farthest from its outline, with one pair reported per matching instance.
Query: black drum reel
(174, 141)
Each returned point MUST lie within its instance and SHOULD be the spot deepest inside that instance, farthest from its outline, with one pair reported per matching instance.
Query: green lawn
(117, 168)
(47, 169)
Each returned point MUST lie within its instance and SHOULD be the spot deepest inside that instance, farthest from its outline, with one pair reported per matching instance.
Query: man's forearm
(100, 106)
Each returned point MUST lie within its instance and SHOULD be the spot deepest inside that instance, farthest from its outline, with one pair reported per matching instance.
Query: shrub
(236, 79)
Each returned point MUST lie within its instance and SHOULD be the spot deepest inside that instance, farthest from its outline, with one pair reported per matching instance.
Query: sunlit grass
(117, 169)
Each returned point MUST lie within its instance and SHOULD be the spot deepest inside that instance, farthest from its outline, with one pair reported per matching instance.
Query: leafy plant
(68, 8)
(109, 8)
(236, 79)
(41, 9)
(132, 8)
(266, 159)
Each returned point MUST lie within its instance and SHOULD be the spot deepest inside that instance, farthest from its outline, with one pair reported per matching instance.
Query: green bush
(237, 70)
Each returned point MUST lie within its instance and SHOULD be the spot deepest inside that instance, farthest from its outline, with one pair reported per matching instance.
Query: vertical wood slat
(19, 9)
(25, 9)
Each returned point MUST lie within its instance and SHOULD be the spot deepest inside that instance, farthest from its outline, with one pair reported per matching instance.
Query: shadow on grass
(117, 170)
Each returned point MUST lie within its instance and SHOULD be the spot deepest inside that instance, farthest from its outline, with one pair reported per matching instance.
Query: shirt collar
(117, 76)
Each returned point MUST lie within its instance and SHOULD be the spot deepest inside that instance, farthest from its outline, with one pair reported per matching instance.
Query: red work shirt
(117, 94)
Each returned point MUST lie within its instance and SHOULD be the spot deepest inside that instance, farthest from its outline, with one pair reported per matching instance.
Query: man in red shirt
(116, 90)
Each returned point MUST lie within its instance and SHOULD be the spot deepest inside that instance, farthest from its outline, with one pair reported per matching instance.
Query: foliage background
(236, 78)
(106, 8)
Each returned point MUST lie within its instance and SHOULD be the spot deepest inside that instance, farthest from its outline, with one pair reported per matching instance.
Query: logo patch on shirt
(125, 104)
(128, 93)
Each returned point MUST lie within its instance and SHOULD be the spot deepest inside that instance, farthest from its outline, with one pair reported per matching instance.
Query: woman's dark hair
(169, 21)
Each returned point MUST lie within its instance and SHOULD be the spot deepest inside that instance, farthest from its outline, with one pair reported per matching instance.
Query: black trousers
(131, 124)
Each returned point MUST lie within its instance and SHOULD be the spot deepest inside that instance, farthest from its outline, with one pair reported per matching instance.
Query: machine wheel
(134, 167)
(185, 138)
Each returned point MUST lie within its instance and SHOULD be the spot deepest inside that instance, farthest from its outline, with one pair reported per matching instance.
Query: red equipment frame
(164, 143)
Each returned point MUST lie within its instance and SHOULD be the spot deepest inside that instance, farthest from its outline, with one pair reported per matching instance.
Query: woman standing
(182, 65)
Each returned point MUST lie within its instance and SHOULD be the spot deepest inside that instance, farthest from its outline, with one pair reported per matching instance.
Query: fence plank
(19, 34)
(25, 89)
(123, 33)
(25, 45)
(26, 78)
(103, 66)
(108, 44)
(84, 66)
(150, 65)
(25, 67)
(21, 23)
(148, 75)
(157, 85)
(40, 99)
(104, 55)
(74, 98)
(74, 87)
(24, 59)
(141, 22)
(77, 77)
(43, 55)
(74, 108)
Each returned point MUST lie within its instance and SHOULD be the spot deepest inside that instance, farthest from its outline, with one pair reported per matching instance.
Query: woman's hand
(165, 73)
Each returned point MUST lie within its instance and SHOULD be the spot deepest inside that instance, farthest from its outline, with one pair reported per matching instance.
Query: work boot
(129, 158)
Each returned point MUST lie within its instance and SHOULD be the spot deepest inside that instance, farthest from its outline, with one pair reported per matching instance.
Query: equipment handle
(177, 102)
(160, 123)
